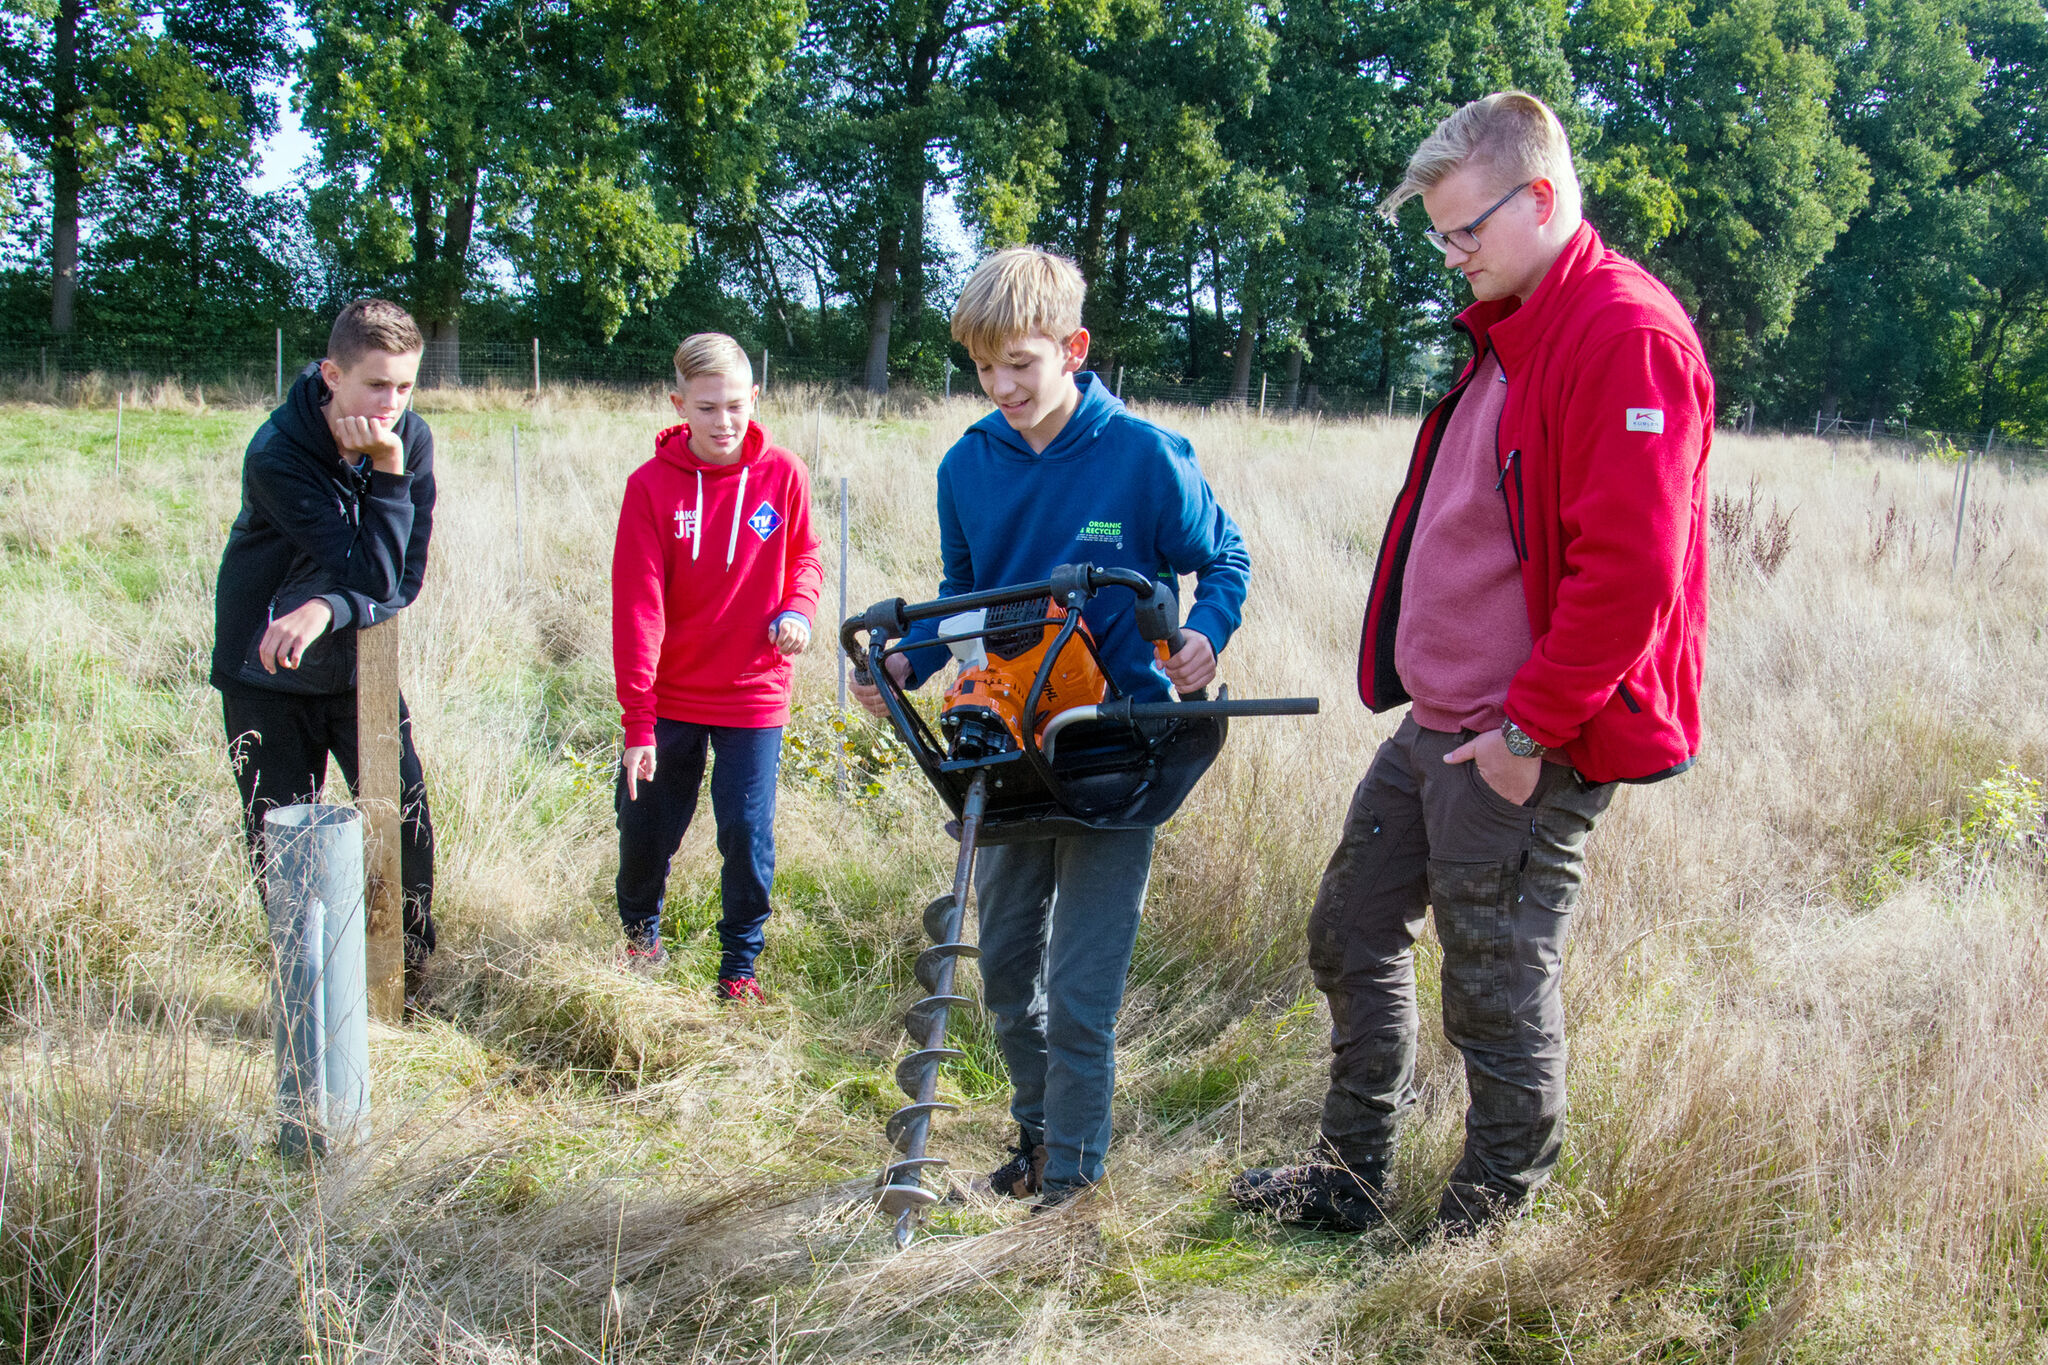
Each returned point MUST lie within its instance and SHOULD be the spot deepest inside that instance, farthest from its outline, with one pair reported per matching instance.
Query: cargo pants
(1501, 878)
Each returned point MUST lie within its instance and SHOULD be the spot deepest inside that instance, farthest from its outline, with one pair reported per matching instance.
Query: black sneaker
(1023, 1174)
(1053, 1196)
(1466, 1211)
(1315, 1195)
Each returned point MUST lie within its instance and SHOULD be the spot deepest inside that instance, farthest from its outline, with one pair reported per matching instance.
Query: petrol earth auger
(1034, 741)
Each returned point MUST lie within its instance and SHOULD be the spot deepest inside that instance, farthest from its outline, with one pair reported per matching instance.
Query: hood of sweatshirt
(302, 419)
(1098, 407)
(673, 447)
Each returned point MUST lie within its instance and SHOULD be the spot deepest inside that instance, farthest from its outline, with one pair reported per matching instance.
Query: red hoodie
(1602, 455)
(708, 556)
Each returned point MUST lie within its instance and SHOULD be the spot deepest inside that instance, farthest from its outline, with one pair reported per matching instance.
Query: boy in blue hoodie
(1062, 473)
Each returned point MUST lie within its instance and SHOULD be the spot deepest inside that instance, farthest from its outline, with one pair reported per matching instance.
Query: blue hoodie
(1111, 490)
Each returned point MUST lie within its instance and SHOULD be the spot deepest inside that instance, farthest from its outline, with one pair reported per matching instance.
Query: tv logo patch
(764, 521)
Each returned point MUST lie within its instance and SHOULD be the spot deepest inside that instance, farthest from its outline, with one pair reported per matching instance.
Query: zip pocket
(1516, 535)
(1628, 698)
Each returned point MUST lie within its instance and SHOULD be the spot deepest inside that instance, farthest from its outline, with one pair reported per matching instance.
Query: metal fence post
(518, 511)
(764, 369)
(536, 367)
(1119, 383)
(313, 898)
(277, 386)
(839, 655)
(1262, 393)
(120, 406)
(1955, 554)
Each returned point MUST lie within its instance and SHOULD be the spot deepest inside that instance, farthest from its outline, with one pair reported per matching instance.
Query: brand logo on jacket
(1646, 419)
(686, 524)
(764, 521)
(1101, 532)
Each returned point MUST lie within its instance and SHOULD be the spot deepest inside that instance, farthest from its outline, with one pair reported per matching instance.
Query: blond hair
(1021, 291)
(368, 325)
(711, 353)
(1514, 134)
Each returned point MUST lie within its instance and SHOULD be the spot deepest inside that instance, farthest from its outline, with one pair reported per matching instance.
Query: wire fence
(250, 369)
(1899, 437)
(244, 370)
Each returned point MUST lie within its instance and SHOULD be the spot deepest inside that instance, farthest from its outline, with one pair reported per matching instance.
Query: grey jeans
(1501, 878)
(1059, 918)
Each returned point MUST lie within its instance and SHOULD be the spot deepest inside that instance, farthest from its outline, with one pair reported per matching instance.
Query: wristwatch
(1518, 741)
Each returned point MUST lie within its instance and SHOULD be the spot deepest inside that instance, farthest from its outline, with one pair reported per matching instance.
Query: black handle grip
(1197, 710)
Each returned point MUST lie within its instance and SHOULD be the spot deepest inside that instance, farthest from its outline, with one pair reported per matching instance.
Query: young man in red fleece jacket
(715, 579)
(1541, 599)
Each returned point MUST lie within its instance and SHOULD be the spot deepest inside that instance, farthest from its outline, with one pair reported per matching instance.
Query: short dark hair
(372, 325)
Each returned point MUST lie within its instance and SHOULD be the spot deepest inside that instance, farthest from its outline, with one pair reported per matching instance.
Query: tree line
(1849, 195)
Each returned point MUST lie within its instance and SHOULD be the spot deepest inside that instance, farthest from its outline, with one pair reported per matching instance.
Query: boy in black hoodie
(337, 507)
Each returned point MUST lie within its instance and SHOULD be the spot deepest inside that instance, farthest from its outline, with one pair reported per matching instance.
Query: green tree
(1729, 117)
(879, 82)
(1874, 314)
(566, 138)
(1095, 132)
(87, 86)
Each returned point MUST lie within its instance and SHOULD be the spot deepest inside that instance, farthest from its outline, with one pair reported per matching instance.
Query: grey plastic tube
(313, 895)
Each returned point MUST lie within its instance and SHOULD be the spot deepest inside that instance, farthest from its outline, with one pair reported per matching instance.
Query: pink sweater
(1464, 625)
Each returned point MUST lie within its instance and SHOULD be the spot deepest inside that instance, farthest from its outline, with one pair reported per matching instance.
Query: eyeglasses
(1466, 238)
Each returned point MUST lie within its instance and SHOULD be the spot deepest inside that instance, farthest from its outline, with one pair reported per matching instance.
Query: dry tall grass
(1808, 1115)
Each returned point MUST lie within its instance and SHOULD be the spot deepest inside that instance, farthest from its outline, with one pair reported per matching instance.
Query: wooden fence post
(377, 796)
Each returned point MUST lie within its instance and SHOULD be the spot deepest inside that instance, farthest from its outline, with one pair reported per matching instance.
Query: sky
(285, 151)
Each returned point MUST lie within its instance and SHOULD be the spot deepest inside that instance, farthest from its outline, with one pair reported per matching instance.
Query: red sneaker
(644, 957)
(740, 990)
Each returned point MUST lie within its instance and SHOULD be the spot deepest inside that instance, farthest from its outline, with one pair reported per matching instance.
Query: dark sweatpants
(279, 744)
(652, 825)
(1501, 879)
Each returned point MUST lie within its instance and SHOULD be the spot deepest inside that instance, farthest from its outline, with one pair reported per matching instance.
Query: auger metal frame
(1163, 748)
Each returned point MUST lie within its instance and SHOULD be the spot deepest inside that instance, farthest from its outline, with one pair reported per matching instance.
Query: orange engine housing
(983, 713)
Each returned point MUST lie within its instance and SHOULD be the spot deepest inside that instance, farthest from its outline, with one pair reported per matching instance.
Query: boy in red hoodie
(715, 578)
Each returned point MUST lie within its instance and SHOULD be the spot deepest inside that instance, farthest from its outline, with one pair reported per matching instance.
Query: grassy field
(1810, 1079)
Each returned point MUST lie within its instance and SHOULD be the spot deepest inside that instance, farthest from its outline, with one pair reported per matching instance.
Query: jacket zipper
(1517, 534)
(1517, 530)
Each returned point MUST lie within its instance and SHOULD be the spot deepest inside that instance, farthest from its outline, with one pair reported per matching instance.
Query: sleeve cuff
(782, 616)
(1542, 734)
(639, 734)
(1213, 624)
(337, 603)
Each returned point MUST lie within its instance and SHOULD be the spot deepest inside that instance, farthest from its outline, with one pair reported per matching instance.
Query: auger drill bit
(902, 1182)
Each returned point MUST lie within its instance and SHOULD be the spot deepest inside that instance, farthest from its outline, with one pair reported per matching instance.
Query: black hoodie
(313, 526)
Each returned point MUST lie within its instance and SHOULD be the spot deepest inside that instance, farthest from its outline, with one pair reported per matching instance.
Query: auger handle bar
(890, 620)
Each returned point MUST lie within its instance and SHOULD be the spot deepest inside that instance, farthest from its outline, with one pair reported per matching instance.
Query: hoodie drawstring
(739, 504)
(697, 525)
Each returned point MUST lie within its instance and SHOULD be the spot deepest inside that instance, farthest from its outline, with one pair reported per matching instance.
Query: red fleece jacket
(1602, 457)
(707, 557)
